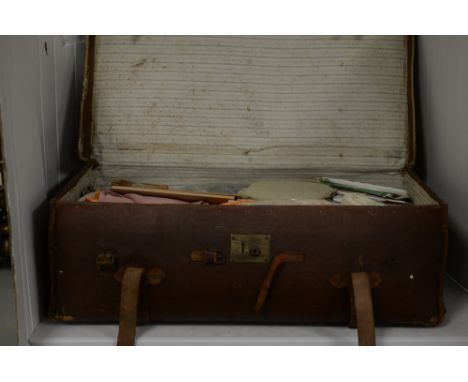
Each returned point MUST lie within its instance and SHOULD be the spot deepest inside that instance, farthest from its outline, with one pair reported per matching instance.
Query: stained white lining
(251, 102)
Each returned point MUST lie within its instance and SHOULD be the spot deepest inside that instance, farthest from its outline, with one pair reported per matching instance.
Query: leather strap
(363, 308)
(285, 257)
(129, 306)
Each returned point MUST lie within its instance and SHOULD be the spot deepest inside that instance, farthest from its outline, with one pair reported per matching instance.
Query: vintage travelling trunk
(214, 113)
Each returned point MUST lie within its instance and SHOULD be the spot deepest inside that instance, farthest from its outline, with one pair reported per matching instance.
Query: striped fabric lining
(303, 102)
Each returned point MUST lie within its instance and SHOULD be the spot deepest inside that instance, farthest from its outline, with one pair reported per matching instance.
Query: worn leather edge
(443, 208)
(411, 103)
(55, 303)
(86, 118)
(442, 309)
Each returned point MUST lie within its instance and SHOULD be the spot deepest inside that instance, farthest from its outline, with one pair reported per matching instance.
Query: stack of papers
(379, 193)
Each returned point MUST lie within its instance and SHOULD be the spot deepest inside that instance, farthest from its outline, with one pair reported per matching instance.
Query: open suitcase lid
(309, 102)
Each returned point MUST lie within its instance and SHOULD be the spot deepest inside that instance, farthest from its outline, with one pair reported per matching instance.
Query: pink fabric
(113, 197)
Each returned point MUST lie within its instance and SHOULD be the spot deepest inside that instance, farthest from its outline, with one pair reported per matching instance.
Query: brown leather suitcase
(213, 113)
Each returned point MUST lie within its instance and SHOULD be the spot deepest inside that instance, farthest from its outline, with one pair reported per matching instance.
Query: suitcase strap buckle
(131, 278)
(214, 257)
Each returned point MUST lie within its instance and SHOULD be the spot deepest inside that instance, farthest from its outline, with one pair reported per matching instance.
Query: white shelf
(454, 331)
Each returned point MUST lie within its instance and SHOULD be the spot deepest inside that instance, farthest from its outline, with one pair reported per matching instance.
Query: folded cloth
(113, 197)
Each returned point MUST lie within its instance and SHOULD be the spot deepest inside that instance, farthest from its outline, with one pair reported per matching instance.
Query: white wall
(40, 89)
(443, 135)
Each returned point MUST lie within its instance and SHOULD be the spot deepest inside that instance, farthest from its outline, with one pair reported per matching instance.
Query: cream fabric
(300, 102)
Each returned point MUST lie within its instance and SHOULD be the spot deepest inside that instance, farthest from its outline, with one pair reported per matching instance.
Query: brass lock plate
(250, 248)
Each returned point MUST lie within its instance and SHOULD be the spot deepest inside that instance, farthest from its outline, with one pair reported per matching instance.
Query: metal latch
(250, 248)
